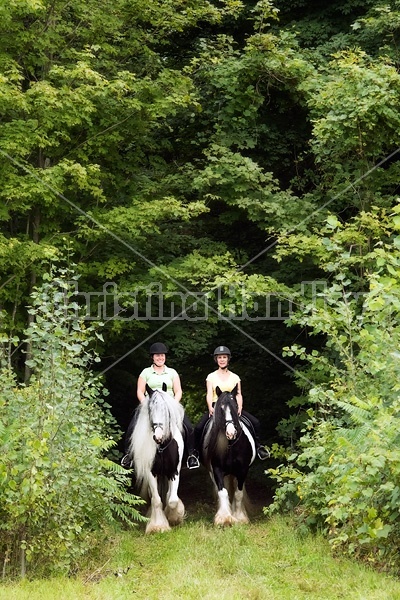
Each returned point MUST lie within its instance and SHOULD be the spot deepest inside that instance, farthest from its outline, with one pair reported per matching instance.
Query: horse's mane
(218, 424)
(142, 446)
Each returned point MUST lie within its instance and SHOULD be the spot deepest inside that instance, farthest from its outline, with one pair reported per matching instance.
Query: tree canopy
(209, 170)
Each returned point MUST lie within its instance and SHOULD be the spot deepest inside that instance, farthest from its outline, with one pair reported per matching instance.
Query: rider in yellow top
(226, 381)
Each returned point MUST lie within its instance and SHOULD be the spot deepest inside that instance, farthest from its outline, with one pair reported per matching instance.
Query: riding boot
(262, 452)
(192, 460)
(198, 432)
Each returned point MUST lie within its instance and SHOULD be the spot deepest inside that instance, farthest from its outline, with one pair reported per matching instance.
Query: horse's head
(226, 413)
(163, 411)
(158, 417)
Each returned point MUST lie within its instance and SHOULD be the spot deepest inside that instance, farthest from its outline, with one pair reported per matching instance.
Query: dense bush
(57, 486)
(344, 476)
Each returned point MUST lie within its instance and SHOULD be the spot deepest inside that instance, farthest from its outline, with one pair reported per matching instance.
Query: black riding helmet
(158, 348)
(221, 350)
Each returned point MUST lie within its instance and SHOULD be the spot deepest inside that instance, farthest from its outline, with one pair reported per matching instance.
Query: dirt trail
(197, 493)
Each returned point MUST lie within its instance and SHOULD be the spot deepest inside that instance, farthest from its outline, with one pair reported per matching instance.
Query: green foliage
(58, 489)
(242, 184)
(160, 143)
(352, 108)
(345, 475)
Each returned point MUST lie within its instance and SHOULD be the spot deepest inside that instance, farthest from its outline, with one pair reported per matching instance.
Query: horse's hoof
(175, 521)
(243, 520)
(157, 529)
(175, 513)
(224, 521)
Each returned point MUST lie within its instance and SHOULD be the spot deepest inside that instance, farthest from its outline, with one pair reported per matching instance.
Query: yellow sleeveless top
(225, 385)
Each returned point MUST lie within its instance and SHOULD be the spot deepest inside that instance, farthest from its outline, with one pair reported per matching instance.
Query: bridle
(231, 429)
(161, 446)
(157, 428)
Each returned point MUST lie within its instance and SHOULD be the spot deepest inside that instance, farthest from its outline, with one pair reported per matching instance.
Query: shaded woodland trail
(196, 491)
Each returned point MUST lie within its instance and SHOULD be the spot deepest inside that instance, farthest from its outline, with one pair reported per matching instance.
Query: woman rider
(226, 381)
(155, 375)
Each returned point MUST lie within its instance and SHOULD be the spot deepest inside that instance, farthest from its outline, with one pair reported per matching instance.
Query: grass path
(266, 560)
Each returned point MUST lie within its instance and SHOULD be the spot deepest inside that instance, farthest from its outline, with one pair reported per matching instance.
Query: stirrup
(263, 453)
(192, 462)
(126, 461)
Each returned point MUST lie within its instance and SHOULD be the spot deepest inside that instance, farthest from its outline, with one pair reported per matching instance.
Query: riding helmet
(158, 348)
(222, 350)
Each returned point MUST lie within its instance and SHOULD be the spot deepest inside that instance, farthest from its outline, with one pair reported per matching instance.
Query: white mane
(160, 407)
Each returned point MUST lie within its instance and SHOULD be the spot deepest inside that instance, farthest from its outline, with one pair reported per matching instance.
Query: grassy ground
(266, 560)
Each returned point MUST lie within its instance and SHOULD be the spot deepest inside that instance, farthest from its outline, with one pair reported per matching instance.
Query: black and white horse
(227, 451)
(157, 447)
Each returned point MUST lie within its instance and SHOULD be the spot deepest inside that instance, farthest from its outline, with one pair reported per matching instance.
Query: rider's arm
(176, 386)
(141, 388)
(239, 398)
(210, 397)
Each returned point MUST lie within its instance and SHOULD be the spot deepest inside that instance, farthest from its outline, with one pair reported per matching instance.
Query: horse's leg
(174, 507)
(158, 521)
(223, 515)
(238, 503)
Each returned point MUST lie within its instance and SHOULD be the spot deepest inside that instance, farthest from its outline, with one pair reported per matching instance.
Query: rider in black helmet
(226, 381)
(155, 376)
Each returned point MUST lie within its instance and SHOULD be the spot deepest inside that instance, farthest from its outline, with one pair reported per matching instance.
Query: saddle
(243, 419)
(246, 421)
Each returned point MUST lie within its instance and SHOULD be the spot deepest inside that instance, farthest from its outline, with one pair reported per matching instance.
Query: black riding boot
(192, 460)
(262, 452)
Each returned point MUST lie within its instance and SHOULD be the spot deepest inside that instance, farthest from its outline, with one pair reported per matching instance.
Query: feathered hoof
(152, 528)
(242, 519)
(175, 513)
(224, 520)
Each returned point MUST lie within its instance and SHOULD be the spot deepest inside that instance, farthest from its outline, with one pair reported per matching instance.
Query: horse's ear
(149, 390)
(234, 391)
(164, 387)
(218, 391)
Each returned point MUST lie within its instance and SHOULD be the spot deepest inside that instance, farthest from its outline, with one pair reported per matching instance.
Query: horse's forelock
(165, 409)
(226, 400)
(158, 412)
